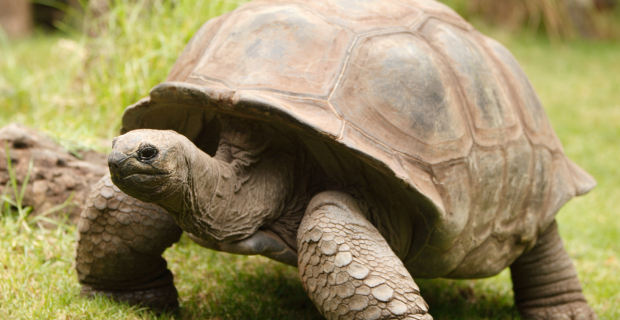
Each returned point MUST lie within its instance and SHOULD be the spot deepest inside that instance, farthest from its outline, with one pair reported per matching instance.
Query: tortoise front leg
(348, 269)
(545, 282)
(120, 241)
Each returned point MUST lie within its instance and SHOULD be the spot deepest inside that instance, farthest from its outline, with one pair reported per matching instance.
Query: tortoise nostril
(115, 160)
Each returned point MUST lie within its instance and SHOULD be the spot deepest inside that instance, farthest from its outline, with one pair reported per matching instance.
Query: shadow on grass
(467, 299)
(221, 286)
(266, 294)
(215, 285)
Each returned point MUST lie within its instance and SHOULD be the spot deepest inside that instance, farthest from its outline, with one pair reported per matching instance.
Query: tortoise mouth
(133, 176)
(147, 187)
(128, 169)
(142, 179)
(144, 175)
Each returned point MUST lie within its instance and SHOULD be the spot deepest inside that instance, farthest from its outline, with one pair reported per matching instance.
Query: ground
(75, 88)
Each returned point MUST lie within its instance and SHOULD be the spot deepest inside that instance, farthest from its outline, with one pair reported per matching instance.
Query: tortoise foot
(571, 311)
(163, 299)
(546, 284)
(120, 245)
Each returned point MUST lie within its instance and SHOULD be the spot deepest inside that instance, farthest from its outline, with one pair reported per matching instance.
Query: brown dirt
(56, 175)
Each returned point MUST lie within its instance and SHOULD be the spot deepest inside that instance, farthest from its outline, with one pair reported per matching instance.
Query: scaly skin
(545, 282)
(120, 243)
(348, 269)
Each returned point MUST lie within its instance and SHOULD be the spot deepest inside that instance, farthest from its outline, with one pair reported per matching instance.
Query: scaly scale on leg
(120, 243)
(348, 269)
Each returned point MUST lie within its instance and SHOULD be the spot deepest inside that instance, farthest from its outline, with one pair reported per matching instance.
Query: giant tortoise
(368, 142)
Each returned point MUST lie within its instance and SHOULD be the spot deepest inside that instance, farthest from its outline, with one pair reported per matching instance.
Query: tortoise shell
(439, 119)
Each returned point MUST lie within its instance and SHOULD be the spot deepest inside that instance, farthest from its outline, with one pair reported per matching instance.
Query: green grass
(581, 91)
(75, 88)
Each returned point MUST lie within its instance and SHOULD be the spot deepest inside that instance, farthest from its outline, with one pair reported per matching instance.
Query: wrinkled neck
(228, 197)
(184, 198)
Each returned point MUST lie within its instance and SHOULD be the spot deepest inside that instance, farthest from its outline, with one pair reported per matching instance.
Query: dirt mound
(57, 174)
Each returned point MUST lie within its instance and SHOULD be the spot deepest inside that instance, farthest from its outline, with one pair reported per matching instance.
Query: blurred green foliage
(74, 86)
(557, 20)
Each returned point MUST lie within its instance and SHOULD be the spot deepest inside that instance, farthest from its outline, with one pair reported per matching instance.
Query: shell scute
(487, 170)
(518, 179)
(394, 89)
(494, 119)
(537, 125)
(453, 182)
(188, 59)
(541, 182)
(280, 47)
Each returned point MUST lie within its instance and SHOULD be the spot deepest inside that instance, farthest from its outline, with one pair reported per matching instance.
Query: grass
(582, 97)
(74, 88)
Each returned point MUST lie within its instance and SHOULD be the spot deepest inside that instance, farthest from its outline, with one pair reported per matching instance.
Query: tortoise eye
(147, 153)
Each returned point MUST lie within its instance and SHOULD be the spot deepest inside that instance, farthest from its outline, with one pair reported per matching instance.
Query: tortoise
(367, 142)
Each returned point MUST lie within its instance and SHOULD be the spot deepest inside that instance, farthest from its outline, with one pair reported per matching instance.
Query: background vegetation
(74, 87)
(555, 19)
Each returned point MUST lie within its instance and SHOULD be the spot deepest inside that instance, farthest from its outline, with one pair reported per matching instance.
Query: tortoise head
(149, 165)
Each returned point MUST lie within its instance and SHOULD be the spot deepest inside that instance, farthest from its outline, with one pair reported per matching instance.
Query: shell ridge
(418, 23)
(503, 200)
(341, 74)
(453, 79)
(452, 15)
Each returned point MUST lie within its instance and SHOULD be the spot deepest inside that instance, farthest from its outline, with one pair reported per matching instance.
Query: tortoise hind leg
(348, 269)
(120, 243)
(545, 282)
